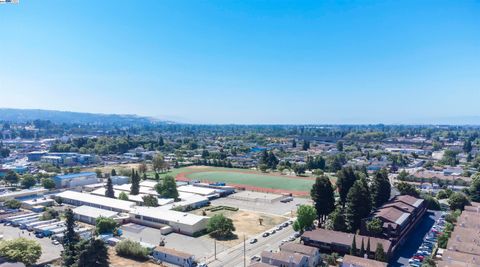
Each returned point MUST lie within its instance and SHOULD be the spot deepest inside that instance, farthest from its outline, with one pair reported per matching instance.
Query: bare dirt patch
(117, 261)
(246, 223)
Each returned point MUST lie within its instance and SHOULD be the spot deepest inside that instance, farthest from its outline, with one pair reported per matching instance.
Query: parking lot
(276, 207)
(415, 240)
(50, 252)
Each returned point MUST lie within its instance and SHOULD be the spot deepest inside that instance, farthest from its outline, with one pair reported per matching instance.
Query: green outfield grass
(265, 181)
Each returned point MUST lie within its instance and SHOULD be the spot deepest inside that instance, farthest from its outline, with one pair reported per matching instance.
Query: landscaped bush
(131, 249)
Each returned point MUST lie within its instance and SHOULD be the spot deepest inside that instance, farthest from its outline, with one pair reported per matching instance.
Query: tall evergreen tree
(70, 240)
(362, 250)
(113, 173)
(345, 179)
(337, 220)
(92, 252)
(353, 247)
(109, 191)
(157, 176)
(294, 143)
(368, 247)
(380, 188)
(135, 187)
(323, 197)
(358, 205)
(380, 253)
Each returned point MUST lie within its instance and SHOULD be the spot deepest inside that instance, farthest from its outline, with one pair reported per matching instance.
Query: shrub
(131, 249)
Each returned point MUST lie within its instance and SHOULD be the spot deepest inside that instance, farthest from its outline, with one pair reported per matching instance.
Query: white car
(55, 242)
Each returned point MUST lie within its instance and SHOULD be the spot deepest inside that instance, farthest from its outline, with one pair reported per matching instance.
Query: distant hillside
(23, 115)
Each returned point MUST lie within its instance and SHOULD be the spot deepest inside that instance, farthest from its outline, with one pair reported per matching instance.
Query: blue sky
(245, 61)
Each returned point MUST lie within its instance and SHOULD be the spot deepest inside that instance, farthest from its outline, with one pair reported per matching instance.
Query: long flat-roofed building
(180, 222)
(79, 199)
(340, 242)
(353, 261)
(75, 179)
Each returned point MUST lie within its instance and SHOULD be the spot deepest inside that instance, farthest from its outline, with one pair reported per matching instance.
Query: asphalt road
(234, 255)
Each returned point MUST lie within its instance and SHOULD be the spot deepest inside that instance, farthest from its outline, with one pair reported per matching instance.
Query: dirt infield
(183, 176)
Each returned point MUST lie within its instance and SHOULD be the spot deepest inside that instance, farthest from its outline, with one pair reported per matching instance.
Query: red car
(419, 257)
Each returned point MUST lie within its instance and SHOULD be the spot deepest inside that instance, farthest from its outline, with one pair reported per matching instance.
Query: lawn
(258, 180)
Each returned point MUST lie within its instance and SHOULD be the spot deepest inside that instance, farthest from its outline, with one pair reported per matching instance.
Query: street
(234, 256)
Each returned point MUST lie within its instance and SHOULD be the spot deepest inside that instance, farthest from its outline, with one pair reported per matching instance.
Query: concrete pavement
(235, 255)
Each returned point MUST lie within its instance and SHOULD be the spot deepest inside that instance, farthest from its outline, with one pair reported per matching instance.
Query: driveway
(414, 239)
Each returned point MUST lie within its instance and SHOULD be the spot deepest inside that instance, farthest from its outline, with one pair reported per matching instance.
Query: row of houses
(463, 247)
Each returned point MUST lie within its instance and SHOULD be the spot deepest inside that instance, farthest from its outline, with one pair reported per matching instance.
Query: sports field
(258, 180)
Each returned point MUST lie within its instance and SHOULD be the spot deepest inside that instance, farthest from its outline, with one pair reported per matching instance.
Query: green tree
(358, 205)
(323, 197)
(113, 173)
(159, 164)
(458, 201)
(345, 179)
(380, 188)
(337, 220)
(220, 226)
(407, 189)
(13, 204)
(150, 201)
(11, 177)
(70, 240)
(306, 214)
(474, 189)
(368, 251)
(92, 252)
(340, 146)
(123, 196)
(135, 187)
(168, 188)
(306, 145)
(374, 226)
(48, 183)
(362, 250)
(28, 181)
(353, 247)
(105, 225)
(49, 214)
(109, 192)
(21, 250)
(380, 254)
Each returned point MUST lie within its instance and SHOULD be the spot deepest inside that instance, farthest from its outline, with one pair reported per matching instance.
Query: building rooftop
(295, 258)
(329, 236)
(75, 175)
(352, 261)
(298, 248)
(412, 201)
(93, 212)
(97, 200)
(392, 214)
(171, 251)
(204, 191)
(168, 215)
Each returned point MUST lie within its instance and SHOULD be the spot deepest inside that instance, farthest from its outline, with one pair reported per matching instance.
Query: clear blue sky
(244, 61)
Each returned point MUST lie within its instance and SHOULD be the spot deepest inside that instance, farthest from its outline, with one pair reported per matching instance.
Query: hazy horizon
(228, 62)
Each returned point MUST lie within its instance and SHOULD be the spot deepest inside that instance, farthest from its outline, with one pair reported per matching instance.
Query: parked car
(266, 234)
(273, 232)
(279, 228)
(255, 258)
(285, 224)
(296, 234)
(253, 241)
(55, 242)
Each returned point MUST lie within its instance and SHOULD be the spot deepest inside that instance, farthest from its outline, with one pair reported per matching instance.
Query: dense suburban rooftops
(298, 248)
(168, 215)
(295, 258)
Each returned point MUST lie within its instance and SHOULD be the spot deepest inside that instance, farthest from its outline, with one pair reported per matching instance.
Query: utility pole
(244, 252)
(215, 247)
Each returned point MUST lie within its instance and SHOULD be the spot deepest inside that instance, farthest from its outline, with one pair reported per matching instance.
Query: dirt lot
(117, 167)
(246, 223)
(117, 261)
